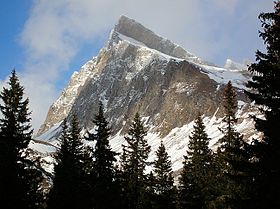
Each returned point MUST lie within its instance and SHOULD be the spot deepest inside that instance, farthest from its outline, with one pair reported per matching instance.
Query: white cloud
(56, 30)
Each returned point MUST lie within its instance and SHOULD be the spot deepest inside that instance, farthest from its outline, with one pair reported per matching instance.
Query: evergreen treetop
(230, 108)
(21, 175)
(137, 149)
(15, 123)
(195, 182)
(199, 151)
(135, 157)
(266, 73)
(103, 155)
(163, 181)
(71, 188)
(104, 173)
(232, 159)
(163, 170)
(265, 92)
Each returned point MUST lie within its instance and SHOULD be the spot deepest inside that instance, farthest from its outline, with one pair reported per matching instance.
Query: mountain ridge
(130, 75)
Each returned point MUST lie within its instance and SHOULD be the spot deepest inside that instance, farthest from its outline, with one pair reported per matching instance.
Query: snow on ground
(143, 47)
(222, 75)
(233, 71)
(175, 142)
(131, 40)
(49, 134)
(42, 147)
(46, 151)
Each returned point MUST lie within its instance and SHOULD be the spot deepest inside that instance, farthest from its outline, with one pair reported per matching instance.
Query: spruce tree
(165, 197)
(196, 177)
(136, 154)
(105, 184)
(230, 108)
(265, 92)
(70, 186)
(232, 158)
(20, 176)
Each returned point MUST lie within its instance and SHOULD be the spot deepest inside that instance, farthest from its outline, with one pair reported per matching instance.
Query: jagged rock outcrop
(138, 71)
(136, 31)
(61, 107)
(231, 65)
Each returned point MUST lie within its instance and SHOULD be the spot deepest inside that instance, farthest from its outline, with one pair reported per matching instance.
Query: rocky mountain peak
(139, 71)
(127, 28)
(231, 65)
(137, 57)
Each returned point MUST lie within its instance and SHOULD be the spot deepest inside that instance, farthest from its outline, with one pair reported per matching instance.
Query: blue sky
(46, 40)
(12, 20)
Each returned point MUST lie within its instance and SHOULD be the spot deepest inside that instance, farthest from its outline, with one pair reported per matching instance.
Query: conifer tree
(265, 92)
(230, 107)
(136, 154)
(105, 185)
(232, 158)
(70, 186)
(196, 177)
(165, 194)
(20, 175)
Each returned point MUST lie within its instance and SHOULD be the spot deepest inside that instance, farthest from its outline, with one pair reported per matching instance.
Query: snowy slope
(175, 142)
(139, 71)
(233, 71)
(61, 107)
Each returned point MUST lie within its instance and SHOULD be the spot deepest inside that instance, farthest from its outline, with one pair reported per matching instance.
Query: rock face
(138, 71)
(131, 28)
(61, 107)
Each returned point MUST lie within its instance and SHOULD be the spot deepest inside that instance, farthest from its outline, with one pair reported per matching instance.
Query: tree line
(237, 175)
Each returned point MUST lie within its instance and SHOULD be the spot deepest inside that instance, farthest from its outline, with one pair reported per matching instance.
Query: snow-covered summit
(231, 65)
(133, 50)
(134, 32)
(139, 71)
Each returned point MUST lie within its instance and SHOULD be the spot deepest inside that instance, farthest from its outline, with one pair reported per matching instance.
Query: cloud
(56, 30)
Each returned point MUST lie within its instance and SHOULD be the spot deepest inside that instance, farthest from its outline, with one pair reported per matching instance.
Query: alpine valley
(139, 71)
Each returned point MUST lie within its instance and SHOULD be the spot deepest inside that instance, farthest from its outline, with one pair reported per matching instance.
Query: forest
(238, 175)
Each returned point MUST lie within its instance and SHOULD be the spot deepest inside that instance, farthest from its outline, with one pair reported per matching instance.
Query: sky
(47, 40)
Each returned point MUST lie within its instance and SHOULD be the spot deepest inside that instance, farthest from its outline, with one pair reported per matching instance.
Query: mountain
(231, 65)
(139, 71)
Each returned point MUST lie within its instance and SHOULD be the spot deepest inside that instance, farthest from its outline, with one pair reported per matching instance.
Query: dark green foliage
(20, 176)
(165, 197)
(105, 185)
(266, 93)
(231, 138)
(104, 157)
(70, 186)
(232, 160)
(196, 177)
(134, 162)
(230, 107)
